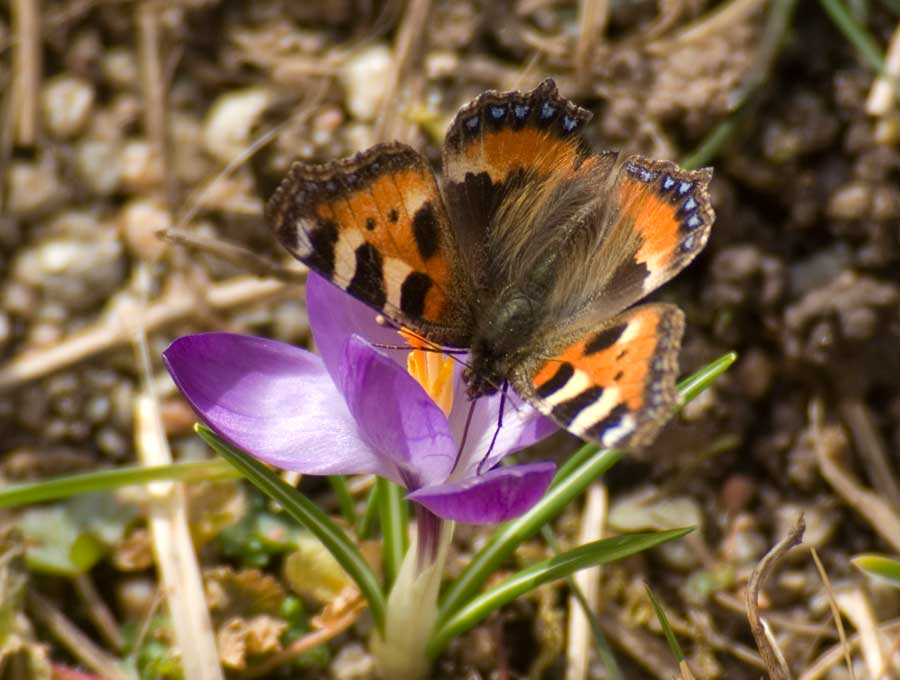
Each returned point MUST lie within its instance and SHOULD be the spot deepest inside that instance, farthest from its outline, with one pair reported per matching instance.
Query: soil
(125, 119)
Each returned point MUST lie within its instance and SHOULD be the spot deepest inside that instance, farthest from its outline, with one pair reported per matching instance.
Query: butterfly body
(530, 254)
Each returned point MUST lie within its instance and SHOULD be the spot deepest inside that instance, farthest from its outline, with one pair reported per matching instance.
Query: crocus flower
(357, 408)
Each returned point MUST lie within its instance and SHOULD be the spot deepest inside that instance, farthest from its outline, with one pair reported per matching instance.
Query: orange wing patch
(669, 209)
(615, 386)
(501, 132)
(375, 225)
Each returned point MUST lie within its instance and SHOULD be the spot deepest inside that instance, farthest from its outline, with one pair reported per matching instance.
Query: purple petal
(334, 315)
(272, 400)
(495, 496)
(396, 415)
(522, 427)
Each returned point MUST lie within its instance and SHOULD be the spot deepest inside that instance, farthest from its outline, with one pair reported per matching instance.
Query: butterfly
(530, 253)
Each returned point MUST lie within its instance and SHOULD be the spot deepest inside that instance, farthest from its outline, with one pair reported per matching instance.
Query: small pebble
(141, 167)
(99, 164)
(120, 67)
(363, 77)
(67, 103)
(850, 202)
(353, 662)
(34, 187)
(139, 223)
(226, 130)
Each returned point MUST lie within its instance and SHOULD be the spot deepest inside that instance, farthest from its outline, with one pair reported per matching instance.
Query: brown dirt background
(119, 119)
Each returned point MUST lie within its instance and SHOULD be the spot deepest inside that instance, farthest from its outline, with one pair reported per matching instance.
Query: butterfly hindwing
(614, 384)
(375, 225)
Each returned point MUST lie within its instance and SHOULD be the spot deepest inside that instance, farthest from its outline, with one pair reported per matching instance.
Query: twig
(871, 449)
(835, 612)
(711, 23)
(179, 572)
(70, 636)
(154, 91)
(26, 71)
(239, 256)
(99, 612)
(579, 637)
(175, 305)
(834, 654)
(771, 655)
(880, 515)
(410, 35)
(592, 18)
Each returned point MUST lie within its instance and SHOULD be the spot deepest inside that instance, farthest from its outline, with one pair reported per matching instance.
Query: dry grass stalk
(179, 572)
(770, 652)
(407, 46)
(175, 305)
(99, 613)
(27, 62)
(881, 515)
(593, 521)
(835, 613)
(592, 18)
(871, 448)
(819, 668)
(883, 95)
(855, 605)
(74, 640)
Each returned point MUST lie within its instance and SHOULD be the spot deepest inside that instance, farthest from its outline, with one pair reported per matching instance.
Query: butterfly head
(500, 337)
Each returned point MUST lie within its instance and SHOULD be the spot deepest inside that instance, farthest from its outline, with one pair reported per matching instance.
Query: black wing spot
(368, 279)
(605, 339)
(370, 223)
(323, 239)
(618, 376)
(393, 215)
(563, 374)
(412, 294)
(568, 410)
(426, 232)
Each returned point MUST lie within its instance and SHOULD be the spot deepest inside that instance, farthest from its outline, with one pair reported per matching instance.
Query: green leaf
(344, 498)
(591, 554)
(394, 528)
(570, 481)
(880, 566)
(307, 513)
(70, 538)
(101, 480)
(666, 626)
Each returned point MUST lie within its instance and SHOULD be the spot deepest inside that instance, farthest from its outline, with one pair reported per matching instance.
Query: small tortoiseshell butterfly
(526, 255)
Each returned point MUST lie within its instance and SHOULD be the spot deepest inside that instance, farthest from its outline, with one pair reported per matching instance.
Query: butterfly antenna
(465, 435)
(382, 320)
(497, 430)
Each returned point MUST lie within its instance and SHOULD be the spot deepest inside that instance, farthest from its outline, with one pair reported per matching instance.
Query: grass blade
(591, 554)
(570, 480)
(394, 528)
(880, 566)
(308, 514)
(105, 480)
(666, 626)
(344, 498)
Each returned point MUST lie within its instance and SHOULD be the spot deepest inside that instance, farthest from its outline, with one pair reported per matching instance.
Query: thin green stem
(103, 480)
(344, 498)
(863, 42)
(477, 608)
(366, 525)
(394, 518)
(570, 480)
(505, 540)
(307, 513)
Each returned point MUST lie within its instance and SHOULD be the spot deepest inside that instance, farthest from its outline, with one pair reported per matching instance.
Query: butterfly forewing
(613, 384)
(506, 150)
(375, 225)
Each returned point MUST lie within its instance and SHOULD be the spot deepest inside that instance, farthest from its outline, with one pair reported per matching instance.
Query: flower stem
(412, 605)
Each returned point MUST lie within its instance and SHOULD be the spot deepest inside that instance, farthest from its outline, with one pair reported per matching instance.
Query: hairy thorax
(507, 325)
